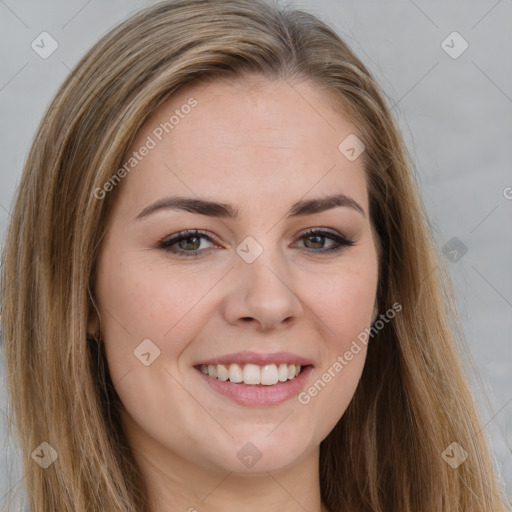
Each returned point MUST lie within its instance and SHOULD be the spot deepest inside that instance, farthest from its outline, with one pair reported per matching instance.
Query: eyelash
(167, 243)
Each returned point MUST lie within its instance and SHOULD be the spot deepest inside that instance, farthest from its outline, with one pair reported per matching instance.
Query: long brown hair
(413, 399)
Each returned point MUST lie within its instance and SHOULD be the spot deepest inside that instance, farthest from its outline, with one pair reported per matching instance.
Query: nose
(263, 295)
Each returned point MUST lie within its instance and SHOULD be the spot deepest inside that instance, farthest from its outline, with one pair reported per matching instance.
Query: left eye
(318, 236)
(189, 242)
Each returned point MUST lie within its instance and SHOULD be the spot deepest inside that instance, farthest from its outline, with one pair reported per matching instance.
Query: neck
(177, 484)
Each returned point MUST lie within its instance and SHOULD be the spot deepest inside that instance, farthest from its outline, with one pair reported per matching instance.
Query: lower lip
(258, 395)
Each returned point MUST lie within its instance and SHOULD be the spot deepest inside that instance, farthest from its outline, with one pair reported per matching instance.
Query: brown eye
(188, 242)
(315, 241)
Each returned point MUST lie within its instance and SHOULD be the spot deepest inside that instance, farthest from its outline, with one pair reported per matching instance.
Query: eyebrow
(227, 211)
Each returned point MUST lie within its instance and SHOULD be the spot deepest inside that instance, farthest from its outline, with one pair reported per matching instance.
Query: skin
(261, 146)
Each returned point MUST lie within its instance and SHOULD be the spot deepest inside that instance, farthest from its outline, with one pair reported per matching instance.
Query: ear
(93, 323)
(375, 312)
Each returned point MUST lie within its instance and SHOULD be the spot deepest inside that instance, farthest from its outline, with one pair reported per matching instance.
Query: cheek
(344, 301)
(344, 305)
(342, 362)
(139, 302)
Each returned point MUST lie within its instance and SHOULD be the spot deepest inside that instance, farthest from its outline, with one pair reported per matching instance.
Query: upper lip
(257, 358)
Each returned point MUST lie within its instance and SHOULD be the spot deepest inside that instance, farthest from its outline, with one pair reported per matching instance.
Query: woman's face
(253, 288)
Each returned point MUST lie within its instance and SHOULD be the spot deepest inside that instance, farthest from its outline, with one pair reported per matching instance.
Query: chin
(261, 453)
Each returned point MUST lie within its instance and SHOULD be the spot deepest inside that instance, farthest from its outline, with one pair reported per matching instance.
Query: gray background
(455, 113)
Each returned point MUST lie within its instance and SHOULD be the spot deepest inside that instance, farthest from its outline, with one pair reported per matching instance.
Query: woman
(220, 289)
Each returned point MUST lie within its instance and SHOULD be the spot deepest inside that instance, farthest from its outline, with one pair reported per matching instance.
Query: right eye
(191, 246)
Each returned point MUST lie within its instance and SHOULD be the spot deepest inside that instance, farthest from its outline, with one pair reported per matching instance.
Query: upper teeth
(267, 375)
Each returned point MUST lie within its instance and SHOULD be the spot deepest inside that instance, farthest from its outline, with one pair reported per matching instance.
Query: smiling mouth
(252, 374)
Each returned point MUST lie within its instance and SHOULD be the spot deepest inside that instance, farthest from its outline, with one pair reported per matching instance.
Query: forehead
(235, 140)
